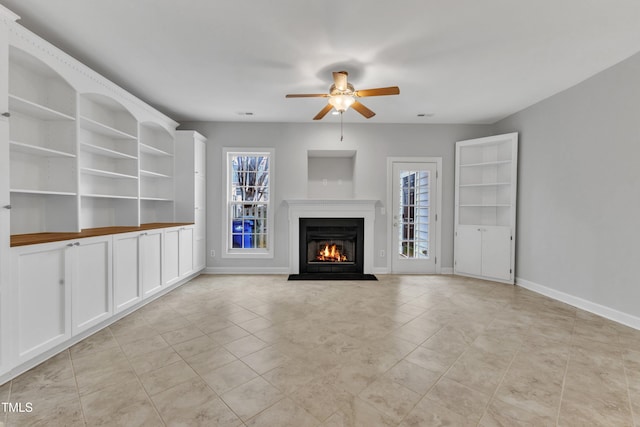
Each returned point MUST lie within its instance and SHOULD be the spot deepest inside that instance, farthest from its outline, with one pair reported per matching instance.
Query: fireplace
(331, 245)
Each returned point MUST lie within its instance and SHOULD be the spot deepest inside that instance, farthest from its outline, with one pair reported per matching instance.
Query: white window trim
(229, 252)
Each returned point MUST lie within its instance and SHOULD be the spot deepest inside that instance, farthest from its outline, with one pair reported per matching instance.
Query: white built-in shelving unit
(485, 208)
(108, 163)
(42, 144)
(156, 173)
(82, 159)
(88, 199)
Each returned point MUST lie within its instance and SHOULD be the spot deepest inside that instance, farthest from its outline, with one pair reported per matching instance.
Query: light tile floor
(403, 351)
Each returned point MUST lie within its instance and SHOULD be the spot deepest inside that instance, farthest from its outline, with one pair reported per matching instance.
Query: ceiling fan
(342, 95)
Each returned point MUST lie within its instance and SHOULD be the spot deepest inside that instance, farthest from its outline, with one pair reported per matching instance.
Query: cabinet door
(126, 272)
(186, 251)
(151, 262)
(468, 250)
(92, 285)
(171, 256)
(496, 252)
(41, 296)
(199, 254)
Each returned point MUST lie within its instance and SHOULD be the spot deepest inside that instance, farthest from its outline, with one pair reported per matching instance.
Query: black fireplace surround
(331, 246)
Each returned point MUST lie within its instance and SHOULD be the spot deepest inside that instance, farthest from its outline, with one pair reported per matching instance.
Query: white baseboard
(446, 270)
(246, 270)
(380, 270)
(591, 307)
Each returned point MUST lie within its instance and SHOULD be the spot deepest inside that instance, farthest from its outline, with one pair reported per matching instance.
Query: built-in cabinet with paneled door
(191, 189)
(60, 289)
(485, 207)
(79, 155)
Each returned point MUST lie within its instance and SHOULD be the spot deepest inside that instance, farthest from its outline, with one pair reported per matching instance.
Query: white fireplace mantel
(312, 208)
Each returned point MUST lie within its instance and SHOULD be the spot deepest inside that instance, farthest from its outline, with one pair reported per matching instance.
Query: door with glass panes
(414, 217)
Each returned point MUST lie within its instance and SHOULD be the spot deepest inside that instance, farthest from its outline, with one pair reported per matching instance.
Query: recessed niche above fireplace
(330, 174)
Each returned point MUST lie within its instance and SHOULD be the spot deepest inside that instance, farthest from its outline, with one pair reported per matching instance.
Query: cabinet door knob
(76, 244)
(7, 114)
(7, 206)
(69, 244)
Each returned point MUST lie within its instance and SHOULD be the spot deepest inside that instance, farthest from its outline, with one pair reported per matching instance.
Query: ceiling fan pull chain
(341, 134)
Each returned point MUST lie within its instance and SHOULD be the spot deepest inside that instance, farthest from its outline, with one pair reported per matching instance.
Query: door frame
(438, 210)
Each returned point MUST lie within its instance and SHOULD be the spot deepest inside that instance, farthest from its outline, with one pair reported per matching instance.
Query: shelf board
(105, 151)
(108, 174)
(36, 110)
(109, 196)
(492, 163)
(488, 184)
(43, 192)
(111, 132)
(156, 199)
(144, 148)
(150, 174)
(22, 147)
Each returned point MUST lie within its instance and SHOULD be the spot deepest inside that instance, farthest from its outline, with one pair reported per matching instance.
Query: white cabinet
(92, 296)
(191, 181)
(126, 270)
(41, 297)
(151, 246)
(137, 267)
(178, 254)
(485, 207)
(185, 253)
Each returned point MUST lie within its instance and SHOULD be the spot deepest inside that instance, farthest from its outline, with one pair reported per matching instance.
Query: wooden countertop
(35, 238)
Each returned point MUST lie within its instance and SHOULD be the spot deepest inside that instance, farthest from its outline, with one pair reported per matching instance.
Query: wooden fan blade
(340, 79)
(362, 110)
(392, 90)
(307, 95)
(323, 112)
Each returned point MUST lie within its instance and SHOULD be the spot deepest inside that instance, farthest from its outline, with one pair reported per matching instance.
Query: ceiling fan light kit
(342, 95)
(341, 102)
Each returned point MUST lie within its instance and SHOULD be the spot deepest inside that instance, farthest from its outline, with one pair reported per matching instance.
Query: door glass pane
(414, 214)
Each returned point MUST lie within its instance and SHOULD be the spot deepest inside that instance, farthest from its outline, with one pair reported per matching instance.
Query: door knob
(7, 206)
(7, 114)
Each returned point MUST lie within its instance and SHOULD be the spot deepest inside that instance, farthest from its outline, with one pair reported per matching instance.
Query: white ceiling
(464, 61)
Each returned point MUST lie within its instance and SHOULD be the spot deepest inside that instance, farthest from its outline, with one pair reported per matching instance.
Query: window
(414, 233)
(249, 217)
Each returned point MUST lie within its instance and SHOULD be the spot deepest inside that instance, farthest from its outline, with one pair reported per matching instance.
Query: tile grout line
(424, 396)
(153, 404)
(495, 392)
(75, 380)
(566, 370)
(202, 379)
(626, 378)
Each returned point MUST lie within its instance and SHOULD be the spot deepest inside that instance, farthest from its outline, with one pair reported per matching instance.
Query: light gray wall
(373, 143)
(579, 189)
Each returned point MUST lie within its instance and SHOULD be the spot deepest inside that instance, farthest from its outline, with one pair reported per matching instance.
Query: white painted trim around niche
(591, 307)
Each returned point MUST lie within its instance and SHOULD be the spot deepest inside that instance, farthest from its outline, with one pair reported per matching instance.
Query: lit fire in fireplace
(330, 253)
